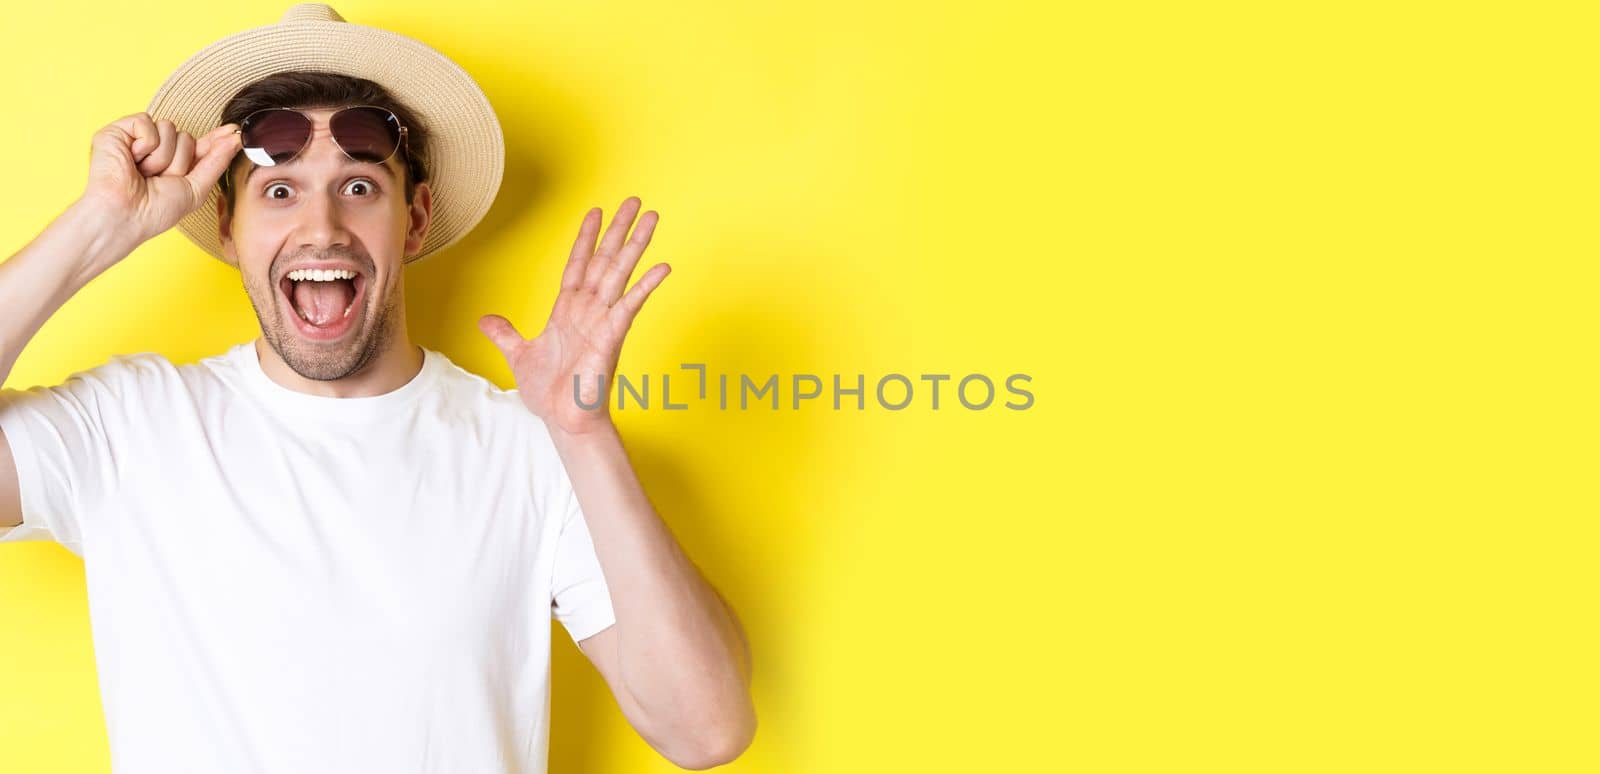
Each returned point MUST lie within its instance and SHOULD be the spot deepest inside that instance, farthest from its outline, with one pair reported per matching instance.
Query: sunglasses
(365, 133)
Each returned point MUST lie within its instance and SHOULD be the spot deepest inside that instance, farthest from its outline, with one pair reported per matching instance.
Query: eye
(270, 191)
(360, 187)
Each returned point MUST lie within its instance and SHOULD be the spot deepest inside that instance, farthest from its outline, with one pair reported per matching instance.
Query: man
(330, 549)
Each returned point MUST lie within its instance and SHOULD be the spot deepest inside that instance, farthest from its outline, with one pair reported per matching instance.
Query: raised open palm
(583, 337)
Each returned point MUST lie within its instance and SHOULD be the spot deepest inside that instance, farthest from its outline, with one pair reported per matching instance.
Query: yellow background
(1306, 292)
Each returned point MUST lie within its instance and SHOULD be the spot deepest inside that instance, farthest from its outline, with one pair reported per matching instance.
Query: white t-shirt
(283, 582)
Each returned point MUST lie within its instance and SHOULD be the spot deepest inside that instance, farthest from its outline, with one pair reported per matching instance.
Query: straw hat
(467, 152)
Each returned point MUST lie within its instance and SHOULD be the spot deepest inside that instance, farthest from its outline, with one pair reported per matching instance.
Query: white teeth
(321, 275)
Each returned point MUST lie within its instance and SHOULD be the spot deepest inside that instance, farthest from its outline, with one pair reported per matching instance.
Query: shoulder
(496, 412)
(151, 375)
(156, 372)
(119, 373)
(482, 396)
(121, 385)
(495, 420)
(132, 364)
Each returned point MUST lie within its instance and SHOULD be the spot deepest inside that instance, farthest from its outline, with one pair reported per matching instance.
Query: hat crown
(311, 12)
(466, 148)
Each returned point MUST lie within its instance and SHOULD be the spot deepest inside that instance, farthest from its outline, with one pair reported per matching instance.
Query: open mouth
(323, 304)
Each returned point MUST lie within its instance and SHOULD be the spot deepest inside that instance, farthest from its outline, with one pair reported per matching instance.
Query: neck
(389, 370)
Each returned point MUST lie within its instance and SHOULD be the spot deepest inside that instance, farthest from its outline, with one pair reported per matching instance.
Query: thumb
(501, 332)
(215, 150)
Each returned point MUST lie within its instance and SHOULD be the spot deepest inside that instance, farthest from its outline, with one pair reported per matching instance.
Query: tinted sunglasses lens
(367, 134)
(272, 137)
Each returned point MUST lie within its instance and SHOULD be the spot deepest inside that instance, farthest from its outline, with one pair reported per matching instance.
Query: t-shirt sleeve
(579, 596)
(60, 438)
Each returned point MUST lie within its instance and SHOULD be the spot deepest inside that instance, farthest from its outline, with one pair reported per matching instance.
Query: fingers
(636, 295)
(159, 147)
(616, 277)
(612, 241)
(166, 148)
(119, 150)
(142, 134)
(582, 250)
(216, 149)
(501, 332)
(182, 158)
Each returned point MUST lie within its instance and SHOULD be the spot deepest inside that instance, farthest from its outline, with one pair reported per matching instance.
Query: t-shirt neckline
(358, 409)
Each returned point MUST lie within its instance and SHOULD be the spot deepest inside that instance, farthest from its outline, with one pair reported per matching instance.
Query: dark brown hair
(307, 90)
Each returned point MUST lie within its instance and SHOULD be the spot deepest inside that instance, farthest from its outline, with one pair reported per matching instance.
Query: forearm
(682, 653)
(73, 249)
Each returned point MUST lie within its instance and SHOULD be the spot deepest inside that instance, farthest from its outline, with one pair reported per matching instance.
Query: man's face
(323, 212)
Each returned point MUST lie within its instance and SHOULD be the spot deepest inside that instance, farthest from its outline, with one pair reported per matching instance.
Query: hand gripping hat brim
(467, 150)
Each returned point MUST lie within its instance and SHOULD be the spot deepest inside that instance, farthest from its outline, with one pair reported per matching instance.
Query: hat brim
(467, 152)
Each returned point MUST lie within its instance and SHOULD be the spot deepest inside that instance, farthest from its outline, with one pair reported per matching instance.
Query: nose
(322, 223)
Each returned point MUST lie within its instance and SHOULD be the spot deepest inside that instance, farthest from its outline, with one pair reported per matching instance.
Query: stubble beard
(323, 362)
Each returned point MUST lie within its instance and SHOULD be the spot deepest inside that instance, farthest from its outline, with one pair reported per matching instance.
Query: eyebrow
(348, 163)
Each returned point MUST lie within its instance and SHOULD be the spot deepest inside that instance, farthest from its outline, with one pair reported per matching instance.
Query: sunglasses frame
(403, 144)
